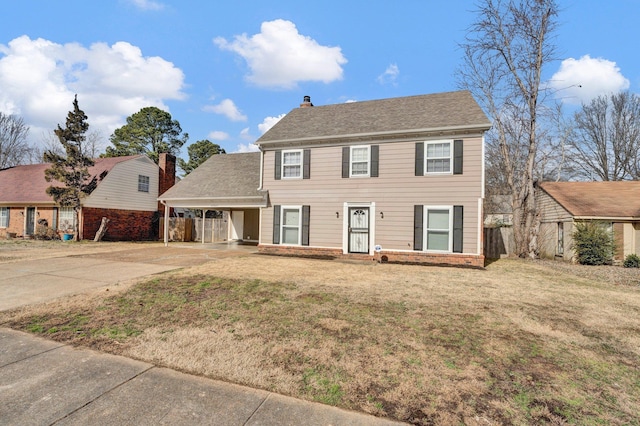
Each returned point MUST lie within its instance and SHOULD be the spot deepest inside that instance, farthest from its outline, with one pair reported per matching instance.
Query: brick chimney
(167, 175)
(306, 102)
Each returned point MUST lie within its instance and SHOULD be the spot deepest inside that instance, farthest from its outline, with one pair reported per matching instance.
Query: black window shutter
(276, 224)
(419, 158)
(375, 154)
(458, 214)
(305, 225)
(306, 164)
(418, 222)
(345, 161)
(457, 157)
(278, 169)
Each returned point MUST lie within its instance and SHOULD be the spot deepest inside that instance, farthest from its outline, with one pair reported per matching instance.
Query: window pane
(291, 171)
(291, 217)
(438, 166)
(360, 154)
(438, 219)
(359, 168)
(438, 240)
(290, 235)
(290, 158)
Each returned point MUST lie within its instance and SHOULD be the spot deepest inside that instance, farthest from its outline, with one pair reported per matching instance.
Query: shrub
(593, 243)
(632, 261)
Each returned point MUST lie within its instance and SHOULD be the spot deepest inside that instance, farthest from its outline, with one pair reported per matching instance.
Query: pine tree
(70, 169)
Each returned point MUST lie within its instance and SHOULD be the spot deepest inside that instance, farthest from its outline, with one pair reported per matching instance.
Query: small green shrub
(593, 243)
(632, 261)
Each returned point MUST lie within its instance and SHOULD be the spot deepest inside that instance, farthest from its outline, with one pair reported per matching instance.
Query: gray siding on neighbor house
(119, 188)
(550, 210)
(395, 192)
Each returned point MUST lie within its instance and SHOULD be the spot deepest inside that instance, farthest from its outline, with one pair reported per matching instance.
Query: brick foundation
(124, 225)
(386, 256)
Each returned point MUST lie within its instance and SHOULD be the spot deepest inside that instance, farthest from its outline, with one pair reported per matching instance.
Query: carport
(225, 182)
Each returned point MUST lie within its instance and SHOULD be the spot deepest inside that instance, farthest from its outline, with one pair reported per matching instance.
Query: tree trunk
(102, 230)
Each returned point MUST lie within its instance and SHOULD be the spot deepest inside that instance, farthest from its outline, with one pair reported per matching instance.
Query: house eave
(395, 136)
(215, 202)
(609, 218)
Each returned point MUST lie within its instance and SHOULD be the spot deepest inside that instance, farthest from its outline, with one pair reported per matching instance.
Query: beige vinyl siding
(550, 209)
(394, 193)
(119, 189)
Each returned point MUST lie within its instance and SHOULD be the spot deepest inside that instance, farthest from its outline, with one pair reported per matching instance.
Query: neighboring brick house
(561, 204)
(401, 179)
(126, 193)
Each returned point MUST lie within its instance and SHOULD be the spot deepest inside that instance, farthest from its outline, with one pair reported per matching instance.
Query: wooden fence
(498, 242)
(187, 229)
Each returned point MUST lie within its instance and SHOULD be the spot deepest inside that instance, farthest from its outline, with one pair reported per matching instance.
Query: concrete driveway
(45, 278)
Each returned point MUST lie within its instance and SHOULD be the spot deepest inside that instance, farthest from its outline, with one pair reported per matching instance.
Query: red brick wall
(421, 258)
(124, 225)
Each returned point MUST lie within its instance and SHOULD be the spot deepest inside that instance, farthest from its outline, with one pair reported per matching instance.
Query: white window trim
(368, 147)
(426, 157)
(64, 211)
(282, 225)
(425, 217)
(282, 165)
(4, 217)
(148, 184)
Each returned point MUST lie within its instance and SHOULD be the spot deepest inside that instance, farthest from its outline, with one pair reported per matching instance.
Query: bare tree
(505, 52)
(14, 149)
(92, 146)
(606, 141)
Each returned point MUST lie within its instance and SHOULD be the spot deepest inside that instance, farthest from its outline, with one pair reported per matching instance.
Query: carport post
(166, 224)
(204, 215)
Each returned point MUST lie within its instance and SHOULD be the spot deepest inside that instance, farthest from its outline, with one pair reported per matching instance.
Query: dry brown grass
(517, 343)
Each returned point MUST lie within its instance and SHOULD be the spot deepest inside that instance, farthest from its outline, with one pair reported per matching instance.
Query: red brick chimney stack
(306, 102)
(167, 175)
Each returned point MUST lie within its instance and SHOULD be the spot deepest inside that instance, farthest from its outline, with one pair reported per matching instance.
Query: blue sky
(227, 70)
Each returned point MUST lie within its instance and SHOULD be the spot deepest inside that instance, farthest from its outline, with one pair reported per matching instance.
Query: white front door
(237, 224)
(358, 229)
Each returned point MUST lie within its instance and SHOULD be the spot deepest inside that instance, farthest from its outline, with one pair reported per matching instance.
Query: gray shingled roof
(222, 178)
(385, 116)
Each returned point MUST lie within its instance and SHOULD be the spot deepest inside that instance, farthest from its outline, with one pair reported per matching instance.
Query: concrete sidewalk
(44, 382)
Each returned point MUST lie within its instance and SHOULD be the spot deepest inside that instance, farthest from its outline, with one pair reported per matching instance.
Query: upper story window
(360, 161)
(292, 164)
(438, 157)
(143, 183)
(4, 217)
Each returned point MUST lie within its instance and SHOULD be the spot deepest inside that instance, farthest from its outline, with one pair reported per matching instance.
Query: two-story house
(126, 192)
(399, 179)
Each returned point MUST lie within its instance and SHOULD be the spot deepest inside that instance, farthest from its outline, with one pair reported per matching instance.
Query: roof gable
(386, 116)
(619, 199)
(27, 184)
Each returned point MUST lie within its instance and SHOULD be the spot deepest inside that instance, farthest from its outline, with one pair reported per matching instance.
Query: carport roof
(224, 180)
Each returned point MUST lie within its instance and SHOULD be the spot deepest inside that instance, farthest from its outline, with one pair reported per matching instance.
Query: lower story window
(4, 217)
(66, 218)
(438, 228)
(291, 225)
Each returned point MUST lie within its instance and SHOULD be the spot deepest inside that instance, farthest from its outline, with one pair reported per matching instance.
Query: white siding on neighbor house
(550, 209)
(395, 192)
(119, 189)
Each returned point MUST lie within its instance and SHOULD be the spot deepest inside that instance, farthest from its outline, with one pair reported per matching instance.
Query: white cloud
(581, 80)
(390, 75)
(227, 108)
(268, 123)
(39, 78)
(280, 57)
(147, 4)
(247, 148)
(218, 135)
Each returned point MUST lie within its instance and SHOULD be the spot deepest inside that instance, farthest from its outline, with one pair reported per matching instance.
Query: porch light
(381, 215)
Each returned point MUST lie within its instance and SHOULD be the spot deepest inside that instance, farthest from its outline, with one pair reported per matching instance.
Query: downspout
(261, 165)
(166, 223)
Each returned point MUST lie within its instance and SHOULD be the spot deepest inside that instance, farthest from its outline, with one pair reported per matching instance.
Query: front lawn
(517, 343)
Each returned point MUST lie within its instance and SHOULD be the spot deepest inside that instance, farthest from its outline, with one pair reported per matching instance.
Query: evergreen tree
(149, 131)
(71, 168)
(199, 152)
